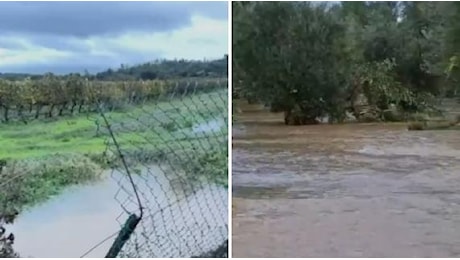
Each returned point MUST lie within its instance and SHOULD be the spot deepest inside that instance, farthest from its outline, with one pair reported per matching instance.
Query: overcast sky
(63, 37)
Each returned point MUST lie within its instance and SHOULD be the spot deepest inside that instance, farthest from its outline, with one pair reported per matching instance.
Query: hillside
(158, 69)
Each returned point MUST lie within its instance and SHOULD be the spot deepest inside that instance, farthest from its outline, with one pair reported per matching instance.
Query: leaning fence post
(123, 236)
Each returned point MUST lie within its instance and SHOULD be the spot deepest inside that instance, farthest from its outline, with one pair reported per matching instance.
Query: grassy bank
(29, 181)
(43, 157)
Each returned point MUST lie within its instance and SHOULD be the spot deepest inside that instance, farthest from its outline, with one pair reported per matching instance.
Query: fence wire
(175, 149)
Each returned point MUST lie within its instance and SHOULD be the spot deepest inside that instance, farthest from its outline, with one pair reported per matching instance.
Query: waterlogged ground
(176, 217)
(356, 190)
(181, 219)
(151, 124)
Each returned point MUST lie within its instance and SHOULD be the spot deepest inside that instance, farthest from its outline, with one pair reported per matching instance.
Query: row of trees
(55, 96)
(169, 69)
(312, 60)
(159, 69)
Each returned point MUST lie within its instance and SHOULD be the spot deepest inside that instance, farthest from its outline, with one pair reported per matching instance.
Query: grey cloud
(82, 61)
(60, 43)
(84, 19)
(64, 26)
(11, 44)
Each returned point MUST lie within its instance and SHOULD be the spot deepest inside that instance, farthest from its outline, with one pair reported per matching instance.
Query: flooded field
(182, 221)
(352, 190)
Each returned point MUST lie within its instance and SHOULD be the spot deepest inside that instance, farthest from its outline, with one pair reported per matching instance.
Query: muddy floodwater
(352, 190)
(177, 222)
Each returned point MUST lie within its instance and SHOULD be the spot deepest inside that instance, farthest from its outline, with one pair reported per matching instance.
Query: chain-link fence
(166, 152)
(169, 158)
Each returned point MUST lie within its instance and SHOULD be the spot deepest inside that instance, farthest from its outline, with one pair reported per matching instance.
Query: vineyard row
(51, 96)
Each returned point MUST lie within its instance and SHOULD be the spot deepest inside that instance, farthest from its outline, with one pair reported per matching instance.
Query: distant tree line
(168, 69)
(159, 69)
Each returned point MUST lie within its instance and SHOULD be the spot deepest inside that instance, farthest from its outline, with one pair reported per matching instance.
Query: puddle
(177, 224)
(210, 126)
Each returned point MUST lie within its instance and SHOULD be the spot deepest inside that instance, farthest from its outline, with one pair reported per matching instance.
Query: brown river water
(351, 190)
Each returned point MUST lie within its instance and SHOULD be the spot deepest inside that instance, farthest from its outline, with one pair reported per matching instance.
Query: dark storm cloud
(84, 19)
(63, 37)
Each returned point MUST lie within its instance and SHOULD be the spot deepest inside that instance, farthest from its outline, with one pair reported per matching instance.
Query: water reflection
(70, 224)
(209, 127)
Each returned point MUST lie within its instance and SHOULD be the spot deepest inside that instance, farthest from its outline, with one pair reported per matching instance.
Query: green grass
(27, 182)
(147, 134)
(78, 134)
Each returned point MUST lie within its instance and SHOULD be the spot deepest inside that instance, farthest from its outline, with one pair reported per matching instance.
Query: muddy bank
(176, 217)
(353, 190)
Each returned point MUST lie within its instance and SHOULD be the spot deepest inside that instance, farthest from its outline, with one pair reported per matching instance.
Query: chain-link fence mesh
(175, 150)
(172, 135)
